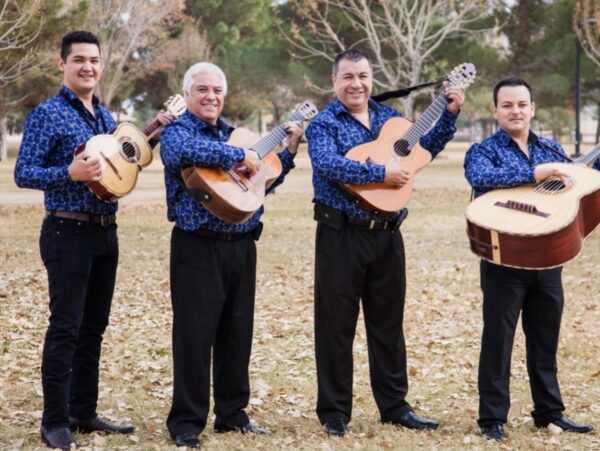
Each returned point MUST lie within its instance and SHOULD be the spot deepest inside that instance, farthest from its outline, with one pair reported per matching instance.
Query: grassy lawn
(442, 327)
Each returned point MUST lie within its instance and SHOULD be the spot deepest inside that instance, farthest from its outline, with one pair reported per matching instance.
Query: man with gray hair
(213, 266)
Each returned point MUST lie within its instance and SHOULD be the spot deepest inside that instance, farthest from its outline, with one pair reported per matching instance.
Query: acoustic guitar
(398, 139)
(123, 153)
(539, 226)
(235, 197)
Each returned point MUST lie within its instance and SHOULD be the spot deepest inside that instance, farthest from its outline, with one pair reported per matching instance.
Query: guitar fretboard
(403, 146)
(589, 158)
(274, 138)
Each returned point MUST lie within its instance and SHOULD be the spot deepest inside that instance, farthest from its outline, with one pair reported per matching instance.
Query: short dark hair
(351, 55)
(510, 81)
(76, 37)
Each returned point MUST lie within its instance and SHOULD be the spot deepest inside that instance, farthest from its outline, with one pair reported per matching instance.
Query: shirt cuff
(287, 159)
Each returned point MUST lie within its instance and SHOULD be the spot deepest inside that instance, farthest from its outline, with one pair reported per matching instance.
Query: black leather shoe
(493, 431)
(336, 427)
(189, 440)
(412, 421)
(98, 424)
(60, 438)
(249, 428)
(566, 425)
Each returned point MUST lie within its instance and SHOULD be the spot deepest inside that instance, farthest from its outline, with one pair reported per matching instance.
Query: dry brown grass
(442, 326)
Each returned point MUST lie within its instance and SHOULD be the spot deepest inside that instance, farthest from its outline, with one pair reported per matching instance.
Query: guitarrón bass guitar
(234, 197)
(539, 226)
(399, 139)
(123, 153)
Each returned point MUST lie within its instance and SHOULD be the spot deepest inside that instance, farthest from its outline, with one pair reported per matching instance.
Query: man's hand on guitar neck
(456, 98)
(395, 175)
(163, 119)
(85, 169)
(295, 132)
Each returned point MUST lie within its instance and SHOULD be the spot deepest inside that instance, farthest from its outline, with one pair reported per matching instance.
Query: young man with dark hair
(78, 242)
(509, 158)
(359, 255)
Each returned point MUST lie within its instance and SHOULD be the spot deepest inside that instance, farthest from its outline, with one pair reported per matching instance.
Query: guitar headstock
(462, 75)
(175, 105)
(305, 111)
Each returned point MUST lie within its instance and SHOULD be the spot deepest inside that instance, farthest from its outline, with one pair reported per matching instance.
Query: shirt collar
(203, 125)
(505, 138)
(72, 96)
(339, 108)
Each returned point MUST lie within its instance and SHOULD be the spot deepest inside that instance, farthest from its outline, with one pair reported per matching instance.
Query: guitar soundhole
(130, 151)
(552, 186)
(402, 147)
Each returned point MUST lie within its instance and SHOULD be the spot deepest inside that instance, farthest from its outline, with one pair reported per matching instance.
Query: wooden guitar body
(381, 198)
(536, 228)
(234, 196)
(122, 155)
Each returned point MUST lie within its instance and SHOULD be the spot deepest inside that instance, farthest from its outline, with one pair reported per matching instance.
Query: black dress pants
(212, 292)
(81, 261)
(539, 295)
(351, 264)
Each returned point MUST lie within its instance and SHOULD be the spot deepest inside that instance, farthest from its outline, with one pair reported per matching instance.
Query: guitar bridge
(238, 181)
(522, 206)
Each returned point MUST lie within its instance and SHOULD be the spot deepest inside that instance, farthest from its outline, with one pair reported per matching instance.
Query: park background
(277, 54)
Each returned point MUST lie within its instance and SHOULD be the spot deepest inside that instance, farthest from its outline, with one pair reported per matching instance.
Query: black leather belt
(221, 236)
(103, 220)
(337, 219)
(371, 224)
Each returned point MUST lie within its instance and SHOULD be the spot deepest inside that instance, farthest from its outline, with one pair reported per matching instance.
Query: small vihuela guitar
(399, 139)
(234, 197)
(123, 153)
(539, 226)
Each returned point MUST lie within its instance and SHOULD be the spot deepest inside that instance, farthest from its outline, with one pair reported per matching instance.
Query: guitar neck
(274, 138)
(424, 123)
(151, 129)
(589, 158)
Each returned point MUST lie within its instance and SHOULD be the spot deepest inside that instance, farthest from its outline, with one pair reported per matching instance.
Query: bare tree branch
(17, 34)
(131, 36)
(402, 35)
(586, 23)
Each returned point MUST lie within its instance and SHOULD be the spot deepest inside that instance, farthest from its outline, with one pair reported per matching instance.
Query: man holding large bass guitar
(512, 157)
(360, 254)
(213, 265)
(78, 242)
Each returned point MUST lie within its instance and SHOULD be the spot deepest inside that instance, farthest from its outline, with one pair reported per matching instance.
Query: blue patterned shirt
(191, 141)
(52, 132)
(498, 161)
(335, 131)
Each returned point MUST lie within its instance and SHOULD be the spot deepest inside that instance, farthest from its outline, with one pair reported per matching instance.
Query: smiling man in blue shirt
(359, 255)
(507, 159)
(213, 266)
(78, 241)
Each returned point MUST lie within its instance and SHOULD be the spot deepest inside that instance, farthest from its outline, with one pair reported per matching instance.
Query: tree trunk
(3, 132)
(598, 126)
